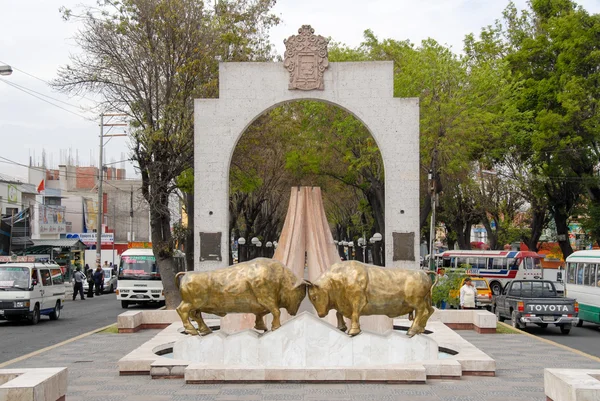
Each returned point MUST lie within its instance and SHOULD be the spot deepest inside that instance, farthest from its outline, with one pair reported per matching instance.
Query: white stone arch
(248, 90)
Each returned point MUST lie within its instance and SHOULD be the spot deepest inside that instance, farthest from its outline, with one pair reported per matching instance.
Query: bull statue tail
(177, 276)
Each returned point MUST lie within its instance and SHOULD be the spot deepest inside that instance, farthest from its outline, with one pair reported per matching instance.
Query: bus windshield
(14, 278)
(138, 267)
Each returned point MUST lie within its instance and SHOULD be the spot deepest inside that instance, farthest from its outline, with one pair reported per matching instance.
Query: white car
(29, 290)
(110, 280)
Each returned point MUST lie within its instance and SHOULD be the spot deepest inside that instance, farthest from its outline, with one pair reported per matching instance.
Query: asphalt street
(585, 338)
(77, 317)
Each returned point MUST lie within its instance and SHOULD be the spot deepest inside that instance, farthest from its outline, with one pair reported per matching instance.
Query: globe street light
(241, 249)
(377, 257)
(269, 246)
(5, 70)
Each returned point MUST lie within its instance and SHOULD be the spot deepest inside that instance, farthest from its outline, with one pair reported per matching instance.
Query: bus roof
(138, 251)
(578, 255)
(500, 254)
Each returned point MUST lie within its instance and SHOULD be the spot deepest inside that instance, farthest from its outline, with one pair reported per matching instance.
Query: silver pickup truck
(536, 302)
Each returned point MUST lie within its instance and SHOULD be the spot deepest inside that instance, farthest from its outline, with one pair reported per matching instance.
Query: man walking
(78, 287)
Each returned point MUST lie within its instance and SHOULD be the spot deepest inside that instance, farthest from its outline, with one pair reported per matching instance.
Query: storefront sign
(90, 238)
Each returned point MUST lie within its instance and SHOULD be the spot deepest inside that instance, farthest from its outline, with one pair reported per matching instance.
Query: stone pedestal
(305, 342)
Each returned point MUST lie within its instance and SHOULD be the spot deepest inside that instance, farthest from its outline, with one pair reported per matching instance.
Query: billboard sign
(89, 239)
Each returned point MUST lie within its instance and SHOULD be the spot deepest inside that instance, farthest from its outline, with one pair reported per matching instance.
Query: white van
(31, 289)
(139, 277)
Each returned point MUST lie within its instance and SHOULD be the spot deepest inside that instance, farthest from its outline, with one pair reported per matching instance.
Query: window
(498, 263)
(461, 262)
(513, 264)
(46, 278)
(586, 274)
(447, 262)
(57, 277)
(589, 277)
(528, 263)
(580, 274)
(571, 269)
(595, 276)
(515, 289)
(537, 263)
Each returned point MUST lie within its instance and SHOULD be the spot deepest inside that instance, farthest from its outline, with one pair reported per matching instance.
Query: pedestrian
(468, 294)
(98, 280)
(78, 285)
(89, 272)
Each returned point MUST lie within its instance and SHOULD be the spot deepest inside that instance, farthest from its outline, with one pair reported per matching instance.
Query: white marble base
(305, 341)
(572, 384)
(42, 384)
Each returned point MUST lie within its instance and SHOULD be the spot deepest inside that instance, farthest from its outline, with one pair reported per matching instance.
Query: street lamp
(269, 246)
(350, 246)
(377, 259)
(259, 249)
(5, 70)
(241, 249)
(252, 247)
(361, 245)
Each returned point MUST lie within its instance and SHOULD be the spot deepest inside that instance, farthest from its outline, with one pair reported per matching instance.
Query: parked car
(484, 293)
(537, 302)
(110, 280)
(29, 290)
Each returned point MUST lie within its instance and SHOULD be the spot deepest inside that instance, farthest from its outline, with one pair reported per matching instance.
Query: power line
(47, 101)
(40, 79)
(41, 94)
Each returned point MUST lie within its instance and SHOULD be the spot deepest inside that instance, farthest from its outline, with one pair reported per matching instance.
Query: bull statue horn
(308, 283)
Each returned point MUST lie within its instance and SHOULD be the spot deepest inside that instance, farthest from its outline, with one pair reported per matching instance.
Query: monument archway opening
(306, 143)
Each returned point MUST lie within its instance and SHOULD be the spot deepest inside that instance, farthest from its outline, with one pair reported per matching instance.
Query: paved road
(585, 338)
(77, 317)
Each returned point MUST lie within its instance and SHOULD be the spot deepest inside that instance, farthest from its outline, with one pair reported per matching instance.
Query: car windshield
(139, 267)
(480, 284)
(107, 273)
(12, 278)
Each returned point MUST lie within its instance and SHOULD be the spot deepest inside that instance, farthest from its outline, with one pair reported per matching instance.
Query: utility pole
(101, 178)
(431, 178)
(100, 193)
(131, 215)
(114, 231)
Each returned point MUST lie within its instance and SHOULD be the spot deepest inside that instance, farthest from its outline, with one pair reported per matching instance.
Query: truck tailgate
(549, 306)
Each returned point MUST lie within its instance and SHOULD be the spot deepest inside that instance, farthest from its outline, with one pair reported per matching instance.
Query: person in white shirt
(468, 294)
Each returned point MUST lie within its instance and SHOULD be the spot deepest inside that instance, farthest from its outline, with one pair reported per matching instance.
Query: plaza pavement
(93, 375)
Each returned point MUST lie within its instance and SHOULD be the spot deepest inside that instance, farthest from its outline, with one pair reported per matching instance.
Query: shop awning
(74, 243)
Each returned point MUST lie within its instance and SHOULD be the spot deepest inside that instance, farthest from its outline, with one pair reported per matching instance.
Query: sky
(35, 42)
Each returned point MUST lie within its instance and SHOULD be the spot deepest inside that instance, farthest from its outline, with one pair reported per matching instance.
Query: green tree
(150, 59)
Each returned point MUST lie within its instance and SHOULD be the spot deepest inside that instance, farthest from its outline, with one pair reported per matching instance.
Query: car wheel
(124, 304)
(496, 288)
(55, 314)
(580, 323)
(565, 329)
(35, 315)
(497, 311)
(514, 320)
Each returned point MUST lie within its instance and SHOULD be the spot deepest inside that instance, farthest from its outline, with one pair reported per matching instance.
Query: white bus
(583, 283)
(498, 267)
(139, 277)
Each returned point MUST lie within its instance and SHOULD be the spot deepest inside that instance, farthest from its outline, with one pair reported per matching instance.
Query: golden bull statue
(259, 286)
(355, 289)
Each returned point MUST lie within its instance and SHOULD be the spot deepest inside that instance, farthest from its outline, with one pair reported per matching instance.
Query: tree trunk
(376, 197)
(538, 222)
(189, 238)
(562, 229)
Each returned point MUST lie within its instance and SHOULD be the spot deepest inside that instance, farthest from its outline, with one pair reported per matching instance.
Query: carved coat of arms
(306, 59)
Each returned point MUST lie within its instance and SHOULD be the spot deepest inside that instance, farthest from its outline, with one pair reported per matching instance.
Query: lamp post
(253, 249)
(360, 250)
(259, 250)
(241, 250)
(377, 259)
(269, 246)
(5, 70)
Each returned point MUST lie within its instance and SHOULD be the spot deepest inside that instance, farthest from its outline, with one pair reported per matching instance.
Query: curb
(60, 344)
(545, 340)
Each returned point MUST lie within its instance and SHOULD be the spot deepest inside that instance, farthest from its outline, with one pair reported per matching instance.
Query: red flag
(42, 186)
